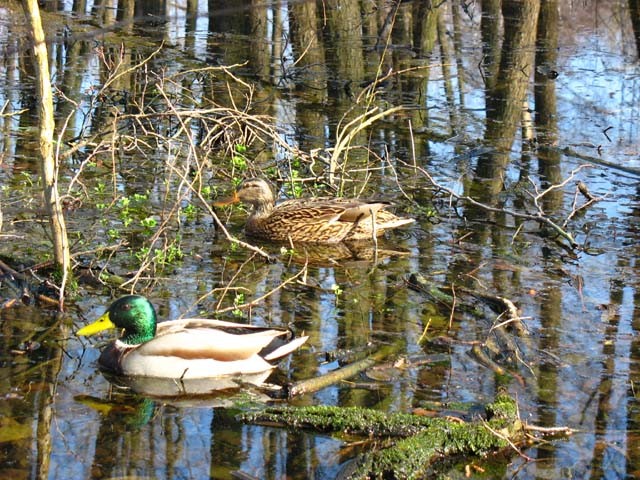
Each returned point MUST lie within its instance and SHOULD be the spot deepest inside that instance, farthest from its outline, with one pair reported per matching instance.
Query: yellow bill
(101, 324)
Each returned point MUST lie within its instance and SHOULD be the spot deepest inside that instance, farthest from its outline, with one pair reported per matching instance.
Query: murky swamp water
(575, 362)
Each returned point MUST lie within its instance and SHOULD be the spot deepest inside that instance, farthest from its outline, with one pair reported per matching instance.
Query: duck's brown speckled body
(313, 220)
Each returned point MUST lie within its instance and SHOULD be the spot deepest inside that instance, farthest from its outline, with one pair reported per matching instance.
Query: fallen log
(401, 445)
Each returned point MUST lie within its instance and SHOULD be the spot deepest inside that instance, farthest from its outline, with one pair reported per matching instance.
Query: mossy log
(414, 442)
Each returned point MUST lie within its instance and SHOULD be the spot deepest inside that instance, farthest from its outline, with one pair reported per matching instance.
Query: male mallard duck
(185, 349)
(318, 220)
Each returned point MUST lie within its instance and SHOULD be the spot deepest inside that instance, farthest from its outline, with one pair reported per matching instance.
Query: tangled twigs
(348, 131)
(219, 224)
(581, 188)
(499, 343)
(513, 318)
(259, 300)
(20, 284)
(539, 216)
(502, 343)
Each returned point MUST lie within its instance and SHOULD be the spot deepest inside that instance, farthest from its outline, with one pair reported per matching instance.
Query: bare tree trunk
(504, 109)
(634, 11)
(504, 99)
(546, 59)
(457, 48)
(425, 29)
(48, 162)
(446, 58)
(490, 35)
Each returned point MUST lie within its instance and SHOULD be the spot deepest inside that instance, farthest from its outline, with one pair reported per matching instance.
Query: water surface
(576, 365)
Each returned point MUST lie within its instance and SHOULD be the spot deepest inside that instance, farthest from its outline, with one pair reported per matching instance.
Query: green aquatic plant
(190, 211)
(100, 188)
(237, 301)
(239, 162)
(149, 223)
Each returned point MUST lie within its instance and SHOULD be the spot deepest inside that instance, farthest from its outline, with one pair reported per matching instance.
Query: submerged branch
(499, 343)
(570, 152)
(340, 374)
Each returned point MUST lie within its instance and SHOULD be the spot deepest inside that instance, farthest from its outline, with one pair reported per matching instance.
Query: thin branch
(258, 300)
(539, 217)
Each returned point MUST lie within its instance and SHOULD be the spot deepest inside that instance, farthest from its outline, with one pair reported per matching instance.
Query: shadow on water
(505, 102)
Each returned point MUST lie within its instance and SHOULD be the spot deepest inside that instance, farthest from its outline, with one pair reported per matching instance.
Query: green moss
(351, 420)
(417, 441)
(503, 407)
(410, 458)
(372, 422)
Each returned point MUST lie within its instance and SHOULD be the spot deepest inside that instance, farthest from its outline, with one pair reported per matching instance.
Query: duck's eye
(126, 306)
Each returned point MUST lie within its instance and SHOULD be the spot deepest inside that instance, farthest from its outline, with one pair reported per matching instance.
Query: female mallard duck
(185, 349)
(318, 220)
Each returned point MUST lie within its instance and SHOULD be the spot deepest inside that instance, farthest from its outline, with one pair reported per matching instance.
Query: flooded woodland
(508, 130)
